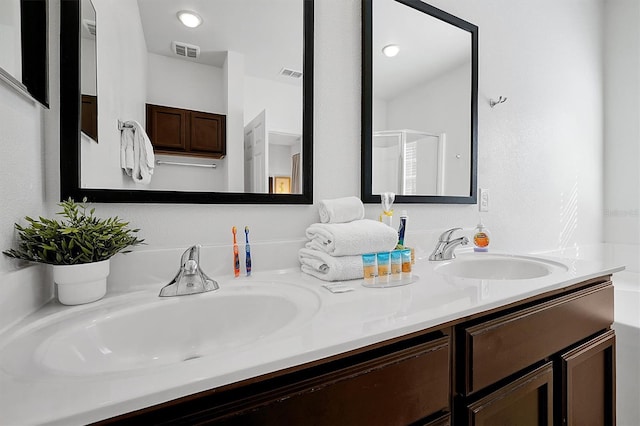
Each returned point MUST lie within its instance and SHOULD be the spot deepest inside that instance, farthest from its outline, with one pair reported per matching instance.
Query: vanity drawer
(498, 348)
(396, 384)
(396, 389)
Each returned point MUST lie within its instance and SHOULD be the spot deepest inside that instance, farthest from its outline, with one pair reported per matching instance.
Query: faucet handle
(191, 259)
(190, 279)
(445, 237)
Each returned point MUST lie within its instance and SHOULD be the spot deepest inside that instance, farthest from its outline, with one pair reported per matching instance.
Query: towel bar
(122, 125)
(175, 163)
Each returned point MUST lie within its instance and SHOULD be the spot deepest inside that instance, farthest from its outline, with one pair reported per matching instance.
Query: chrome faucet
(445, 247)
(190, 278)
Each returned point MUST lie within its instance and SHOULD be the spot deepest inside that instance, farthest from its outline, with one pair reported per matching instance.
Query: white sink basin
(488, 266)
(161, 331)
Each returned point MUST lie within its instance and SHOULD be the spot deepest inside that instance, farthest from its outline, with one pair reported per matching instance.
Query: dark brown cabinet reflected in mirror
(89, 119)
(176, 131)
(419, 103)
(151, 74)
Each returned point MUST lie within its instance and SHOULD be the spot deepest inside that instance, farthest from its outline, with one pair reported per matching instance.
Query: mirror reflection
(11, 58)
(24, 47)
(88, 82)
(221, 103)
(419, 129)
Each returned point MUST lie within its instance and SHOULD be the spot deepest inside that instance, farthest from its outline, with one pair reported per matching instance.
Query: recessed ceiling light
(189, 18)
(390, 50)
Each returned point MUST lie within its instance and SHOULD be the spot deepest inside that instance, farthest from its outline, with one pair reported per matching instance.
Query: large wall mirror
(23, 43)
(419, 103)
(227, 105)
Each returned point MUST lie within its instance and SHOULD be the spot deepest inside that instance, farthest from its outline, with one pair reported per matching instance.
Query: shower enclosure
(408, 162)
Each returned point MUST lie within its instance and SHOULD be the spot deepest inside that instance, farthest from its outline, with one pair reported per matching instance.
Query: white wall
(440, 106)
(283, 103)
(622, 122)
(540, 152)
(122, 61)
(88, 66)
(178, 83)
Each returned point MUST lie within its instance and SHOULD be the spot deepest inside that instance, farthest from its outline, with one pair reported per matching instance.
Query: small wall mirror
(419, 103)
(227, 105)
(23, 43)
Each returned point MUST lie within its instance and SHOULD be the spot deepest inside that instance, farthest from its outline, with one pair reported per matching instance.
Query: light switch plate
(483, 205)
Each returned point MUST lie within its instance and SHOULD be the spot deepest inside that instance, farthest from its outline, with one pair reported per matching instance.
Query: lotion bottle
(481, 238)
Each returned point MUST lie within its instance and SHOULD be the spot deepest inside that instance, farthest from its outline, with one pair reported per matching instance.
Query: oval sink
(164, 331)
(486, 266)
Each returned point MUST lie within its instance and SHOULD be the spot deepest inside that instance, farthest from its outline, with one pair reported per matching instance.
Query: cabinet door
(167, 127)
(525, 401)
(89, 116)
(588, 374)
(207, 133)
(498, 348)
(440, 421)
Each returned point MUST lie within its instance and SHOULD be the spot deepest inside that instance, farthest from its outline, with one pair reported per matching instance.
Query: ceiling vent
(287, 72)
(90, 26)
(185, 50)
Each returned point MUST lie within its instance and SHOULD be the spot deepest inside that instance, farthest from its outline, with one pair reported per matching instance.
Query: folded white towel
(353, 238)
(330, 268)
(341, 210)
(136, 153)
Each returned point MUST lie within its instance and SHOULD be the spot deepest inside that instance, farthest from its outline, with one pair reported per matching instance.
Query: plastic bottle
(481, 238)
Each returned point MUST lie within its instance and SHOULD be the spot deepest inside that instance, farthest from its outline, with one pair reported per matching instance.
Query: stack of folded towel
(335, 247)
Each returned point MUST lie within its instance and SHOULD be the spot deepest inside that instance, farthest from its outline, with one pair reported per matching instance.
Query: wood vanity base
(549, 359)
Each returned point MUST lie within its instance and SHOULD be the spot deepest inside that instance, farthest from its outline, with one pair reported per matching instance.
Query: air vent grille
(287, 72)
(185, 50)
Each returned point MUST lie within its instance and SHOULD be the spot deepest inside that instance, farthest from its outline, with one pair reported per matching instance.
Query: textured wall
(540, 153)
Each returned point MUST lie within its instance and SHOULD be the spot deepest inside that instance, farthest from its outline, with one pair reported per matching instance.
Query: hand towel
(341, 210)
(330, 268)
(136, 153)
(126, 151)
(353, 238)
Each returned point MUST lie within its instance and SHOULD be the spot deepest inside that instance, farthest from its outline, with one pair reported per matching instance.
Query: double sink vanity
(482, 339)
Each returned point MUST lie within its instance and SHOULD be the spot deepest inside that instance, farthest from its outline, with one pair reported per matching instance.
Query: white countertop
(343, 322)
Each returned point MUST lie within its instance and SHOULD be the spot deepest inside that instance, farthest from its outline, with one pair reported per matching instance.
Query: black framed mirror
(24, 63)
(419, 104)
(76, 162)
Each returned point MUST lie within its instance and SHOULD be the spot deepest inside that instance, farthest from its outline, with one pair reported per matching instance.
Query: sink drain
(189, 358)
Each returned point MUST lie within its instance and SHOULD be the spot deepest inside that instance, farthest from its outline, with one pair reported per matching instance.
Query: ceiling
(428, 47)
(268, 33)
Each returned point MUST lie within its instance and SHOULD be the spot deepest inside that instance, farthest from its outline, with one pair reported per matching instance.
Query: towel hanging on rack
(136, 152)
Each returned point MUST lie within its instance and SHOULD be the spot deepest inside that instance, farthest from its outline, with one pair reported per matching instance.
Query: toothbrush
(236, 259)
(248, 250)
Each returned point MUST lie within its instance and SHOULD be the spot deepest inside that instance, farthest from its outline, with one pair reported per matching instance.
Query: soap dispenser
(481, 238)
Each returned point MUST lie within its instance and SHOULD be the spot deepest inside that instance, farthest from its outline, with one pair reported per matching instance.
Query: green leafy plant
(79, 238)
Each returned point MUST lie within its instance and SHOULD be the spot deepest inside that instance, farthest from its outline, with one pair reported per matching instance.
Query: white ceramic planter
(83, 283)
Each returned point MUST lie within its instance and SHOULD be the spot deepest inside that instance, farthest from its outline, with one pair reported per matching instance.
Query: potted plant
(79, 247)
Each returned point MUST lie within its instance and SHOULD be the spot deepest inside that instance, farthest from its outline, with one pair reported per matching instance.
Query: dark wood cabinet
(404, 383)
(89, 116)
(177, 131)
(501, 381)
(588, 382)
(549, 359)
(526, 401)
